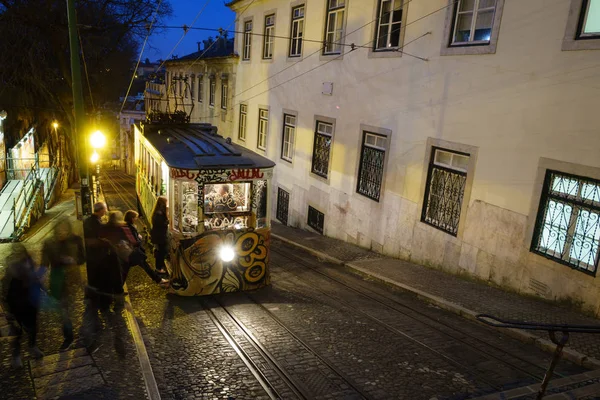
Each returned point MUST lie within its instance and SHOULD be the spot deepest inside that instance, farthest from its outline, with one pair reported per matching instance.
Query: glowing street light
(98, 140)
(95, 157)
(55, 125)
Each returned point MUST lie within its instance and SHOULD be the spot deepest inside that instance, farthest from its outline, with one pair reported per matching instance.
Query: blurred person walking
(138, 255)
(63, 254)
(159, 234)
(21, 293)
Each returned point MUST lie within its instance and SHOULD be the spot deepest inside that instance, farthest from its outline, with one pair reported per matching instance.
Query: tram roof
(198, 146)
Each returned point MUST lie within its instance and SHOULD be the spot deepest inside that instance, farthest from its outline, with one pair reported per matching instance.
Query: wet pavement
(322, 332)
(74, 374)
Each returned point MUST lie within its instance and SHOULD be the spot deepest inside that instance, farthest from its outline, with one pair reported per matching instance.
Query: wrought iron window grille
(444, 193)
(567, 228)
(283, 203)
(316, 219)
(372, 159)
(322, 149)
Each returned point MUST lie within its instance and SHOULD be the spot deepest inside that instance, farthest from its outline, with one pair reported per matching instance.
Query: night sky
(215, 15)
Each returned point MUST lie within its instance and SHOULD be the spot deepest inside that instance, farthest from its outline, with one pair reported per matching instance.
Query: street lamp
(95, 157)
(98, 140)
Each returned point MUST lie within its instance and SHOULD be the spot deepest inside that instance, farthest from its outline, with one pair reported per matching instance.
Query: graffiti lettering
(238, 174)
(240, 222)
(183, 173)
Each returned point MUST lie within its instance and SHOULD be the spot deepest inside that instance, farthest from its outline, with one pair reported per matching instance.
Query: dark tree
(35, 72)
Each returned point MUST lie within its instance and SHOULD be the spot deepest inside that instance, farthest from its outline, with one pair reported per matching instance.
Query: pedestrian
(21, 293)
(111, 288)
(138, 255)
(159, 234)
(63, 254)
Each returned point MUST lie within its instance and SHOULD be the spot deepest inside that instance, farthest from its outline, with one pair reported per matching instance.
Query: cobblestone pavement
(332, 341)
(471, 295)
(109, 377)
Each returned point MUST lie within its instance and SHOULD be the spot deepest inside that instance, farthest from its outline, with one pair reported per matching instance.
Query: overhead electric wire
(220, 30)
(185, 31)
(141, 53)
(319, 50)
(337, 57)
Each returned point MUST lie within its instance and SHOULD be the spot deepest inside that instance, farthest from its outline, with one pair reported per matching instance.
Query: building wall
(519, 106)
(127, 119)
(222, 70)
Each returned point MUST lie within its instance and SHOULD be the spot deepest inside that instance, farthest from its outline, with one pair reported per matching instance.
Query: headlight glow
(226, 253)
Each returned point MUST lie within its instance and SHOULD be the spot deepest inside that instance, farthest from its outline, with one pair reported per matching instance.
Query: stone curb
(519, 334)
(140, 347)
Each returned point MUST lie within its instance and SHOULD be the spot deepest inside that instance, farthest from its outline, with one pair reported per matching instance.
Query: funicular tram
(219, 206)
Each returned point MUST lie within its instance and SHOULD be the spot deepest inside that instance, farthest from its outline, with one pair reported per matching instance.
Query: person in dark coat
(159, 234)
(21, 293)
(63, 254)
(138, 255)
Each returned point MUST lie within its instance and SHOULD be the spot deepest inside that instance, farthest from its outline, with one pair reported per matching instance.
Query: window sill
(331, 56)
(384, 53)
(591, 43)
(469, 49)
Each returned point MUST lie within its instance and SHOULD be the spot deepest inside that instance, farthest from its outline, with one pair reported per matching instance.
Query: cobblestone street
(320, 332)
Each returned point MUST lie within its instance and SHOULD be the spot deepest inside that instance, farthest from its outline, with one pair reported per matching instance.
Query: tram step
(571, 387)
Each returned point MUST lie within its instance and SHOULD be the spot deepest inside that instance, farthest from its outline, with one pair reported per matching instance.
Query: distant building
(198, 86)
(133, 112)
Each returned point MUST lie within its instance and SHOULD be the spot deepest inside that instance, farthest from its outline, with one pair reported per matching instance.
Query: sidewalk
(73, 374)
(464, 297)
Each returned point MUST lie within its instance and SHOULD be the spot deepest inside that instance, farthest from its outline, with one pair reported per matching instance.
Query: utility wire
(220, 32)
(141, 53)
(351, 45)
(400, 49)
(185, 31)
(85, 69)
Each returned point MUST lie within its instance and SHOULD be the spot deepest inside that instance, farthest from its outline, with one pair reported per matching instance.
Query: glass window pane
(463, 27)
(395, 35)
(556, 223)
(443, 157)
(486, 3)
(466, 5)
(226, 197)
(586, 239)
(565, 185)
(592, 19)
(460, 161)
(384, 16)
(483, 26)
(189, 207)
(590, 192)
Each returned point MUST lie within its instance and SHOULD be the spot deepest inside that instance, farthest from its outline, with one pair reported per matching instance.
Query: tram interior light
(226, 253)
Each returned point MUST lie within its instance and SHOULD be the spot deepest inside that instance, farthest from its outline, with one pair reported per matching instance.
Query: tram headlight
(226, 253)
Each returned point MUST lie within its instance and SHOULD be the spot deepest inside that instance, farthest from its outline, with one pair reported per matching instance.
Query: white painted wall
(530, 100)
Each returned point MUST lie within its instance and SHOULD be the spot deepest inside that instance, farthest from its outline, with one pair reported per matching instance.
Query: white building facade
(462, 135)
(132, 113)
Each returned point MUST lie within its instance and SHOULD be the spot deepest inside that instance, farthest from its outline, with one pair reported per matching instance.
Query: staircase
(581, 386)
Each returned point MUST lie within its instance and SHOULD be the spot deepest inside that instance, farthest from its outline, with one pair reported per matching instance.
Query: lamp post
(55, 126)
(78, 108)
(97, 140)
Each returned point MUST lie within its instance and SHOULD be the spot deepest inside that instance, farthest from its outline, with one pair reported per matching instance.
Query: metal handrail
(552, 329)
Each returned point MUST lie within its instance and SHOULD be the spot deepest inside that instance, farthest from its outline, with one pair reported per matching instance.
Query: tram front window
(227, 205)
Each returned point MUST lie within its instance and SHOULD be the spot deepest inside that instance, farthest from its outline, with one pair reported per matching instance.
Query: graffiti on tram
(199, 270)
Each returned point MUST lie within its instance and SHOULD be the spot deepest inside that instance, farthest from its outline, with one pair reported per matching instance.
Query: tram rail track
(423, 319)
(300, 389)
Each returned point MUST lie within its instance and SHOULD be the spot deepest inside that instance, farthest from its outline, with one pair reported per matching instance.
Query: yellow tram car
(219, 197)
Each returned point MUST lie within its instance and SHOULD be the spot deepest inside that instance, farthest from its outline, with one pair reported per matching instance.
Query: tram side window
(177, 207)
(189, 205)
(227, 205)
(261, 204)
